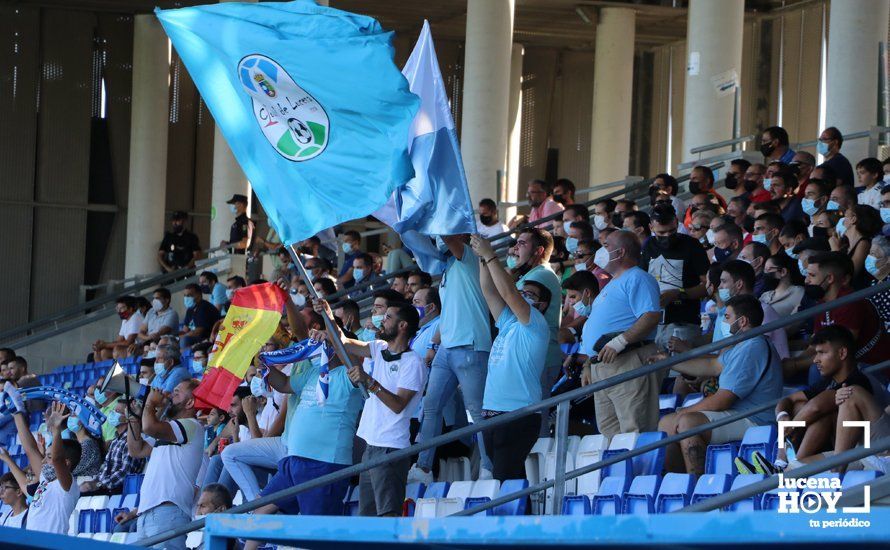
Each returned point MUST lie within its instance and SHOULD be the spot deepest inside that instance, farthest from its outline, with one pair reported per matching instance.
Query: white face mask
(157, 305)
(710, 235)
(600, 222)
(602, 258)
(581, 266)
(298, 299)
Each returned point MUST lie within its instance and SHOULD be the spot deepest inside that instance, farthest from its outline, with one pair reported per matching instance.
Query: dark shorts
(321, 501)
(382, 489)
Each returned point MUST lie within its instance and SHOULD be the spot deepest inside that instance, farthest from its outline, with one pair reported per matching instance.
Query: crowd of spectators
(590, 293)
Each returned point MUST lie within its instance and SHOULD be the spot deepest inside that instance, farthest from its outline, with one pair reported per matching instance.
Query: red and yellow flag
(250, 321)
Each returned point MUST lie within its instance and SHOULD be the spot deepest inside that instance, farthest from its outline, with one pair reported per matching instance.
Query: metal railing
(562, 401)
(720, 144)
(599, 187)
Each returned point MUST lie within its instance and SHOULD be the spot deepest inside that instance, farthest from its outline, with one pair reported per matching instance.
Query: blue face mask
(257, 386)
(160, 369)
(511, 262)
(566, 226)
(232, 209)
(100, 397)
(822, 148)
(871, 265)
(809, 206)
(885, 215)
(803, 270)
(421, 310)
(188, 301)
(73, 424)
(377, 320)
(832, 205)
(347, 248)
(66, 434)
(572, 244)
(724, 294)
(113, 418)
(760, 239)
(790, 252)
(582, 310)
(840, 227)
(198, 367)
(767, 183)
(358, 274)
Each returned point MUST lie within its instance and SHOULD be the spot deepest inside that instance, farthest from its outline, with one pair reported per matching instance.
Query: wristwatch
(375, 387)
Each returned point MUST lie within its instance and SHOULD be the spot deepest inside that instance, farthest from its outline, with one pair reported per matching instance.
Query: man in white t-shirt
(131, 322)
(55, 495)
(167, 494)
(395, 377)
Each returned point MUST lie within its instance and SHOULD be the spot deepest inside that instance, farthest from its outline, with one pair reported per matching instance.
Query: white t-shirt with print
(132, 325)
(52, 506)
(379, 425)
(172, 470)
(273, 404)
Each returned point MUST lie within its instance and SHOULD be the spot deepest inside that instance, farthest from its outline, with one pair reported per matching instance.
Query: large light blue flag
(310, 102)
(436, 201)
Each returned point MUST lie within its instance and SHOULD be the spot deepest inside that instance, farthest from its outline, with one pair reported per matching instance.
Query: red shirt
(761, 196)
(873, 344)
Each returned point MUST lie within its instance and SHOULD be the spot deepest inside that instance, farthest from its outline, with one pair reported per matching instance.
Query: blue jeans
(216, 473)
(242, 461)
(161, 519)
(453, 366)
(321, 501)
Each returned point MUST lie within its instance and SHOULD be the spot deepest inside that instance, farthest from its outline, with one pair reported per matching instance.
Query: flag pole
(328, 323)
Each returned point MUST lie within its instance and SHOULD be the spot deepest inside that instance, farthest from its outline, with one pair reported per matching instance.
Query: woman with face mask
(90, 449)
(877, 265)
(857, 229)
(789, 291)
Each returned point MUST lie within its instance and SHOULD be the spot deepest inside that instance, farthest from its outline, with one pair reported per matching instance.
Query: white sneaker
(417, 475)
(485, 473)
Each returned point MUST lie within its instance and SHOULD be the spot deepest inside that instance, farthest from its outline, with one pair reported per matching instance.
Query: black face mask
(815, 292)
(206, 289)
(666, 241)
(820, 232)
(721, 254)
(767, 149)
(731, 181)
(694, 187)
(486, 220)
(750, 185)
(770, 282)
(559, 198)
(178, 229)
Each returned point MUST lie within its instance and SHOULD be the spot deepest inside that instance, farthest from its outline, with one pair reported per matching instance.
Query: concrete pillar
(228, 179)
(713, 52)
(148, 146)
(514, 126)
(612, 95)
(484, 126)
(855, 29)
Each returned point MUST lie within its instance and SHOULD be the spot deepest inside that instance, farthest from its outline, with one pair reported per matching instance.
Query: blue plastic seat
(607, 501)
(85, 521)
(719, 458)
(575, 505)
(132, 483)
(668, 403)
(438, 489)
(515, 507)
(749, 504)
(674, 493)
(759, 438)
(857, 477)
(710, 485)
(103, 521)
(640, 498)
(469, 503)
(624, 468)
(413, 491)
(652, 462)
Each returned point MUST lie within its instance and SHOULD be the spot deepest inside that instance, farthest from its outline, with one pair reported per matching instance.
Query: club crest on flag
(293, 121)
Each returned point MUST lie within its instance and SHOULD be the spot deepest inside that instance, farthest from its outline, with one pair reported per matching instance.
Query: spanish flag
(250, 322)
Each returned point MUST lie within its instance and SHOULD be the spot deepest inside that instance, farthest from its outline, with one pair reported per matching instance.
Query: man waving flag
(310, 102)
(436, 201)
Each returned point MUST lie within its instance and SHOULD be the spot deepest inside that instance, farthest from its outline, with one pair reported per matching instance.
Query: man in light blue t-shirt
(319, 437)
(750, 375)
(463, 340)
(529, 259)
(517, 359)
(618, 337)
